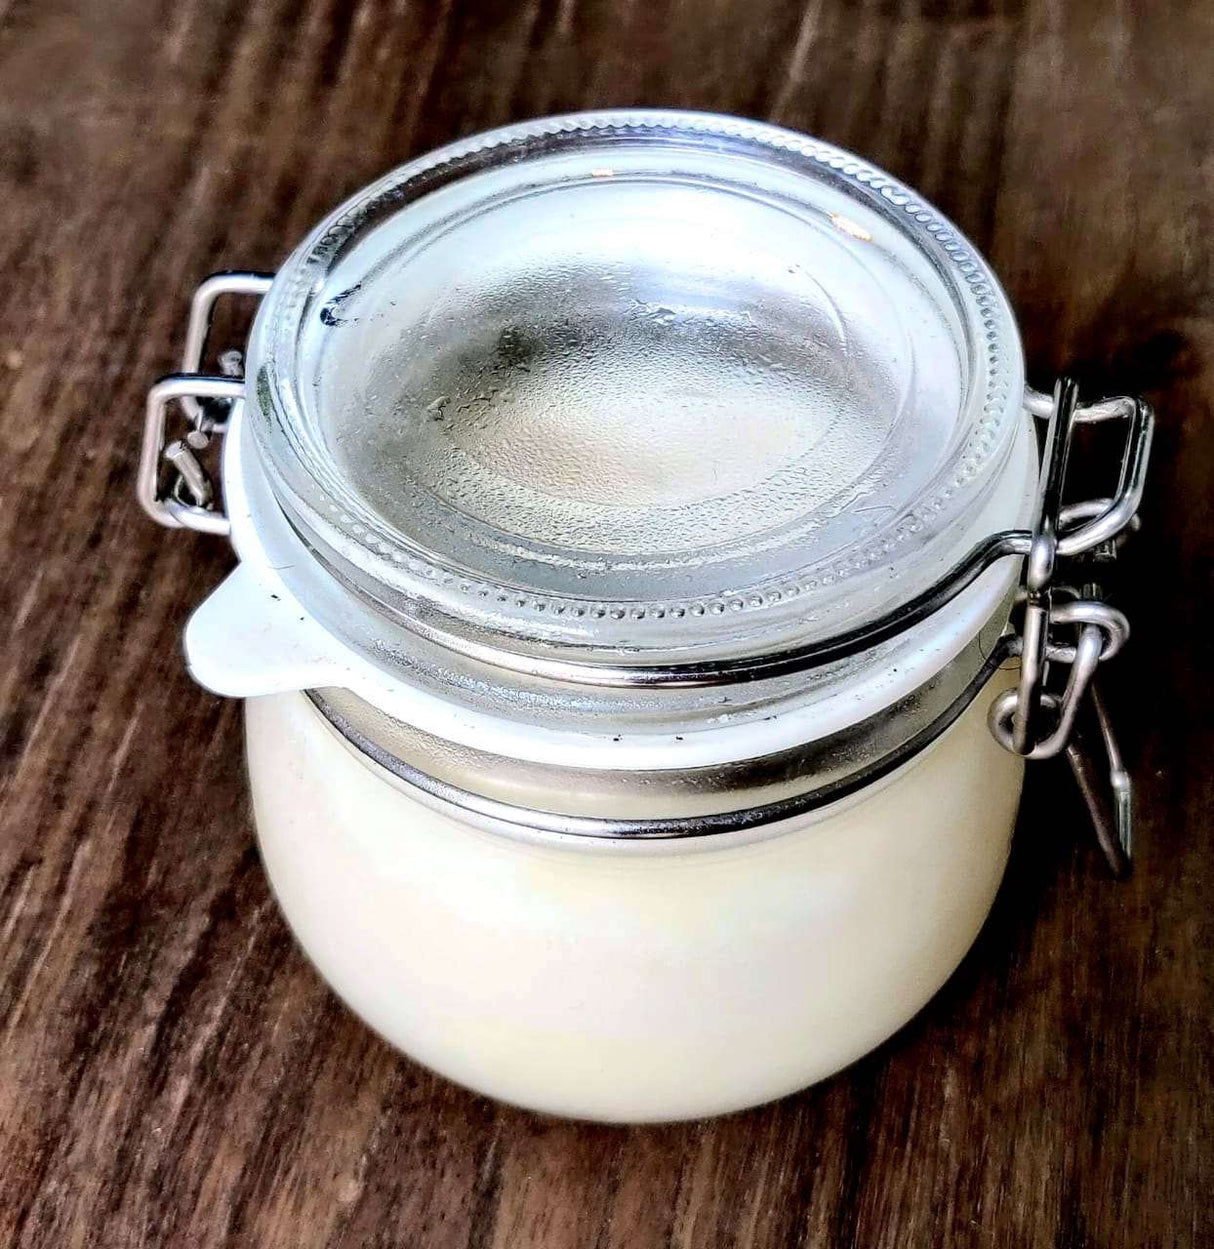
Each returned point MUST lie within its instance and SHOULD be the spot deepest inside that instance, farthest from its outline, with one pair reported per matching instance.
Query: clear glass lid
(660, 384)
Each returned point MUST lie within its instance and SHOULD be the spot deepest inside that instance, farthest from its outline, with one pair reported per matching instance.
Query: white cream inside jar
(637, 981)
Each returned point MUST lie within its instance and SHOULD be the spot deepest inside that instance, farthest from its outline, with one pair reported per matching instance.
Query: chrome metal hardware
(1114, 823)
(190, 499)
(1032, 720)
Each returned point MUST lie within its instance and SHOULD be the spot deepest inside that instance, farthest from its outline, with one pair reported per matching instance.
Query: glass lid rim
(995, 374)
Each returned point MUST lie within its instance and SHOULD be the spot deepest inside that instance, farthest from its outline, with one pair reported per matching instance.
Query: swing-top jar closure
(681, 454)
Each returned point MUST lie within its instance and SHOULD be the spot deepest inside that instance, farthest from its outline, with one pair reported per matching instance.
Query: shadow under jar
(631, 510)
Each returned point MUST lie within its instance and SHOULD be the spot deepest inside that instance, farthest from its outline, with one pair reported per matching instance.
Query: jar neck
(675, 801)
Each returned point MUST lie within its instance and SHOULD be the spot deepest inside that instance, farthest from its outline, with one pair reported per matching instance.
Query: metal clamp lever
(190, 503)
(1114, 827)
(171, 509)
(1031, 720)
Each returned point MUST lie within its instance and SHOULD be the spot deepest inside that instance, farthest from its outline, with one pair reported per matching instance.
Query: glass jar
(631, 511)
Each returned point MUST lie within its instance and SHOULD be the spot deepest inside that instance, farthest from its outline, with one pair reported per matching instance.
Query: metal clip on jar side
(190, 501)
(1031, 720)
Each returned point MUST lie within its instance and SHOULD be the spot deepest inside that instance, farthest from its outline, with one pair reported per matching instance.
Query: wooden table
(172, 1072)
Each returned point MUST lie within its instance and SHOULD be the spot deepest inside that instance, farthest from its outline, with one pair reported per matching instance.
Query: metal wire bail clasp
(190, 501)
(1032, 720)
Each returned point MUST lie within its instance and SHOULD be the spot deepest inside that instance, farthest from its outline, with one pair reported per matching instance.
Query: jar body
(631, 981)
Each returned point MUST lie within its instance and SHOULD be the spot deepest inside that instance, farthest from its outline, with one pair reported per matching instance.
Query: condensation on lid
(662, 383)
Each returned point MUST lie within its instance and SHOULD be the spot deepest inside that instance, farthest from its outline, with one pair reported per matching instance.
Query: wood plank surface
(172, 1072)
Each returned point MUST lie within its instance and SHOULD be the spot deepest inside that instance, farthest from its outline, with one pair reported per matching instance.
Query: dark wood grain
(171, 1070)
